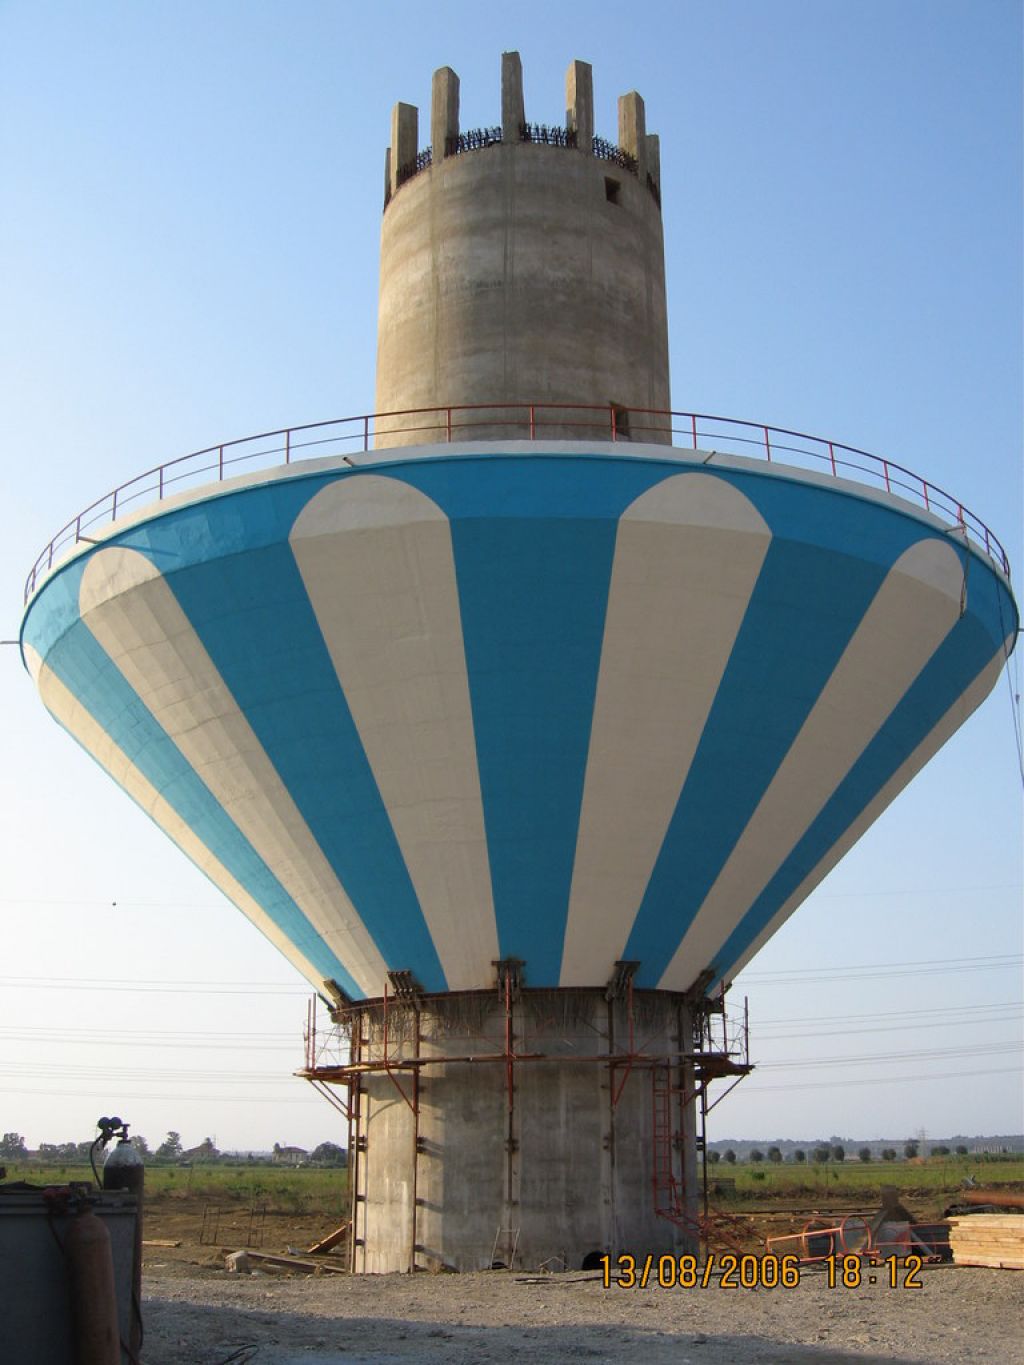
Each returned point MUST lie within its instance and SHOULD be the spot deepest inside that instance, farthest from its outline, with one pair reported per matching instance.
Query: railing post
(693, 428)
(220, 464)
(924, 490)
(160, 484)
(767, 446)
(988, 547)
(288, 446)
(615, 435)
(49, 562)
(885, 470)
(448, 424)
(78, 533)
(533, 427)
(832, 457)
(366, 433)
(113, 506)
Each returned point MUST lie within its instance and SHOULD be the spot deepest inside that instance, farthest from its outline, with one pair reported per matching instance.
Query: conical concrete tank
(537, 704)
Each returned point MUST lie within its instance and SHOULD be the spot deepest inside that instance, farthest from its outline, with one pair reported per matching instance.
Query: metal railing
(544, 134)
(346, 437)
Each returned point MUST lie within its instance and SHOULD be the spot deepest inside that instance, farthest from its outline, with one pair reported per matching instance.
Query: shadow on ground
(179, 1333)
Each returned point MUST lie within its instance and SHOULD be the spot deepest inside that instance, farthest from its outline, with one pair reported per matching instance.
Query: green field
(864, 1179)
(320, 1190)
(279, 1188)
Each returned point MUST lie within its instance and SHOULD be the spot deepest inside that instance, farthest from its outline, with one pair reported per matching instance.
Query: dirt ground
(196, 1313)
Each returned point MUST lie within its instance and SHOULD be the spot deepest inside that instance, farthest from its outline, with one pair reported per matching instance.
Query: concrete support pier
(522, 1131)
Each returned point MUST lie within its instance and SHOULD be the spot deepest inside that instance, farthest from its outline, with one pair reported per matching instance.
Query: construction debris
(245, 1262)
(1007, 1199)
(329, 1242)
(891, 1230)
(988, 1239)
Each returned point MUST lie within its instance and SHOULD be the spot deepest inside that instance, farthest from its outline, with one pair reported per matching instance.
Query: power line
(884, 1028)
(228, 1039)
(916, 891)
(945, 1011)
(153, 981)
(875, 966)
(40, 983)
(881, 972)
(85, 1040)
(1014, 694)
(102, 1096)
(916, 1079)
(871, 1059)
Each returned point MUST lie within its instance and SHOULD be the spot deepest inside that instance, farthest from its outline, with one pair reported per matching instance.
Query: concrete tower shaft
(523, 265)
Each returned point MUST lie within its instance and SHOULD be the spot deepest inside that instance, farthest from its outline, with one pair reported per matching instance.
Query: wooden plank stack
(991, 1239)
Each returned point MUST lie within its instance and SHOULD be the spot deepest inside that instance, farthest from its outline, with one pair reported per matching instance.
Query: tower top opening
(636, 151)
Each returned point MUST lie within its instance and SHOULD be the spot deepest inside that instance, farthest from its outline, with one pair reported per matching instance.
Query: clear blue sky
(190, 230)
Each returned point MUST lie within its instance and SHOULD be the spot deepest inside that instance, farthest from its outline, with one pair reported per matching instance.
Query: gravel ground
(196, 1317)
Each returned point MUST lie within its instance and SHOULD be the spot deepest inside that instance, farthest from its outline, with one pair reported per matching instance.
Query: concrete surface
(564, 1170)
(523, 273)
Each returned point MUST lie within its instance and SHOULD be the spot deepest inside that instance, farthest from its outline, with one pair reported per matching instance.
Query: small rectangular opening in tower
(620, 422)
(612, 189)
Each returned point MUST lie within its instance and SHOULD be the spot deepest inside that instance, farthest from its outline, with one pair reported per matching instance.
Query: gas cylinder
(93, 1297)
(124, 1170)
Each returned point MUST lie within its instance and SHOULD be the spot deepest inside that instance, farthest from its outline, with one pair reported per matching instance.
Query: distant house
(290, 1156)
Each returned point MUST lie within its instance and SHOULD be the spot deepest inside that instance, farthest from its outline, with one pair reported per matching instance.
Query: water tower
(521, 715)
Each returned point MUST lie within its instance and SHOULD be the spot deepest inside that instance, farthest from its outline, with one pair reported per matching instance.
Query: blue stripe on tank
(947, 675)
(77, 659)
(534, 541)
(785, 652)
(254, 618)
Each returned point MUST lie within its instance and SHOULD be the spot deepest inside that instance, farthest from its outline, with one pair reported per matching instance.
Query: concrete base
(459, 1164)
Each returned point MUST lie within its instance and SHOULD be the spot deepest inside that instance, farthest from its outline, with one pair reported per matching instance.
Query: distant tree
(865, 1154)
(730, 1157)
(774, 1155)
(756, 1155)
(140, 1144)
(328, 1154)
(206, 1151)
(714, 1157)
(800, 1156)
(961, 1150)
(910, 1150)
(821, 1155)
(889, 1154)
(838, 1153)
(49, 1152)
(939, 1151)
(12, 1146)
(170, 1149)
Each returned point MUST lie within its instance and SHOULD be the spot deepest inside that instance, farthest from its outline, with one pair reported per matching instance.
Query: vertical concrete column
(444, 111)
(513, 110)
(653, 144)
(633, 131)
(579, 104)
(405, 132)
